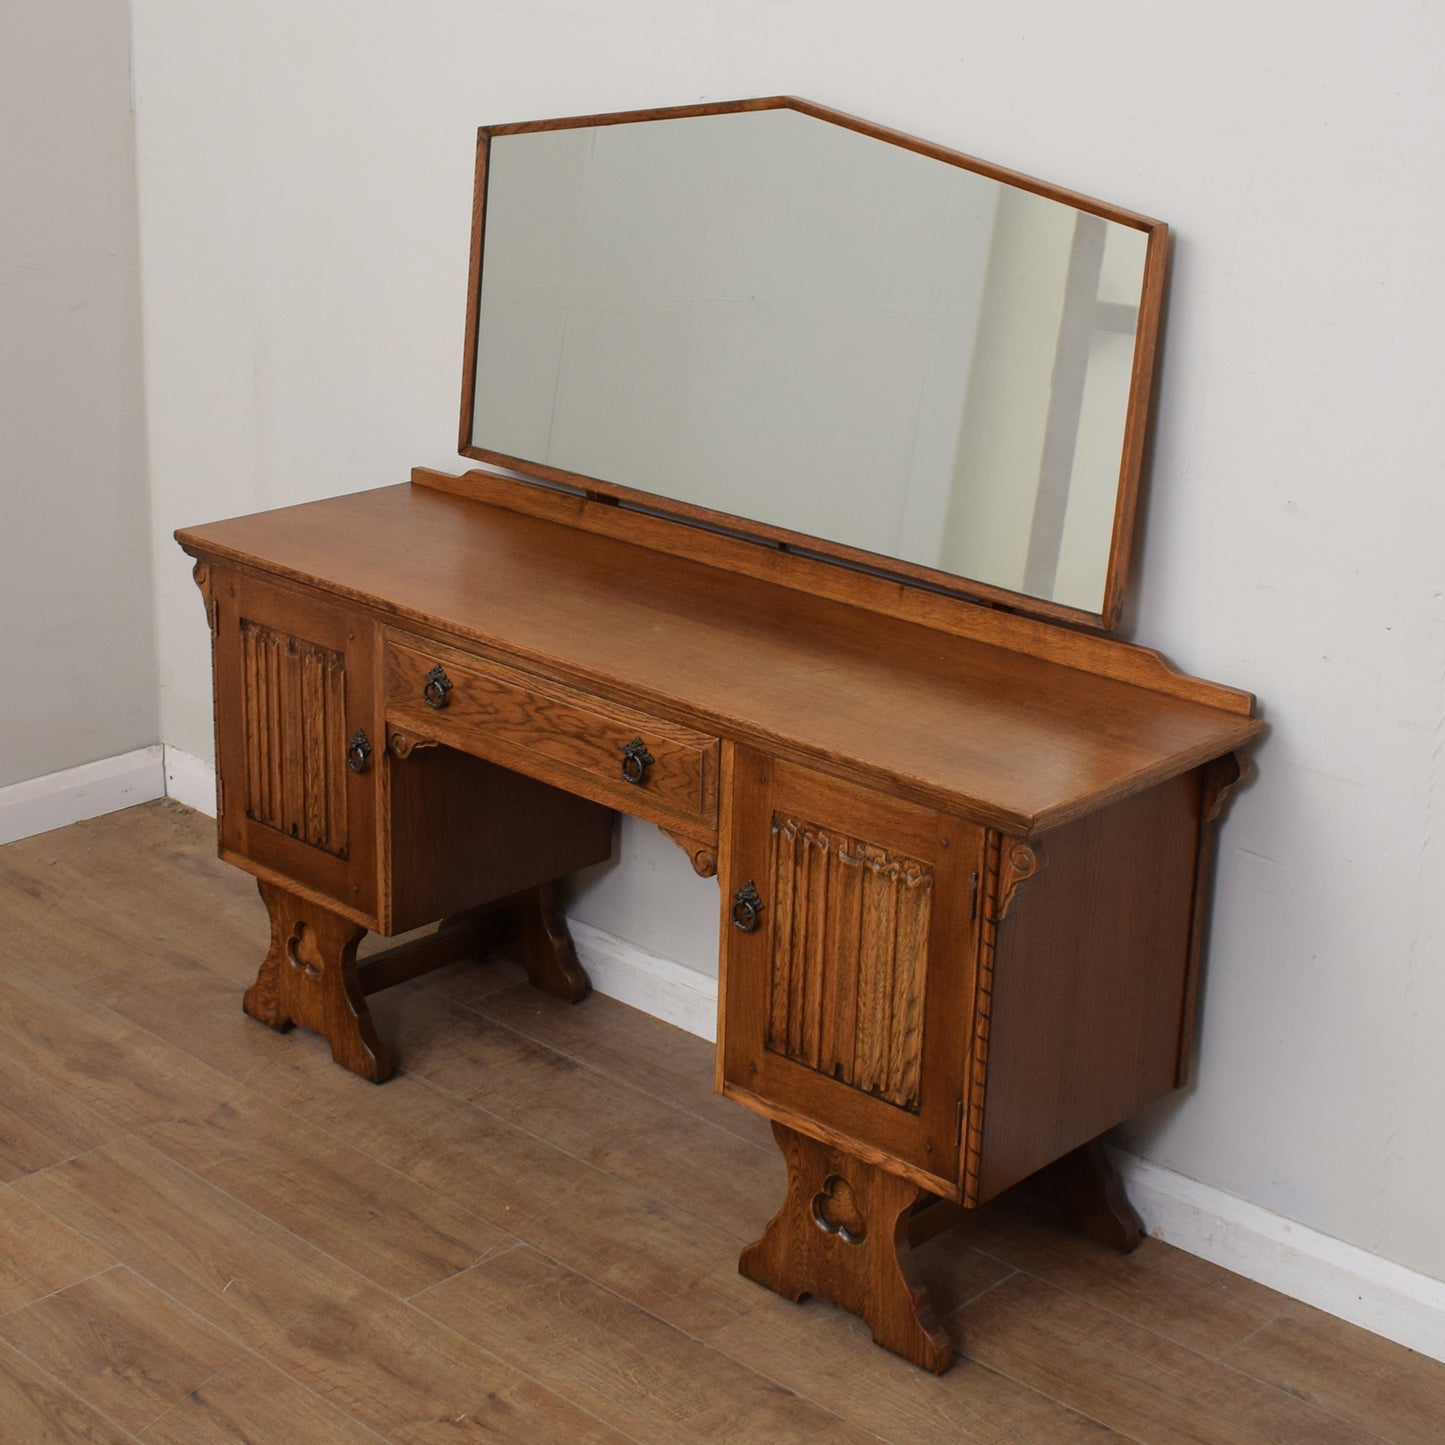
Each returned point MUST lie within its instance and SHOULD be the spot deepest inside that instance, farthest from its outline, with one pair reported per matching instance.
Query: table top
(1009, 739)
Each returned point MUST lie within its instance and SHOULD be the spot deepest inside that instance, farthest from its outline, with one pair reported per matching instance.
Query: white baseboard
(191, 780)
(58, 799)
(1383, 1297)
(656, 985)
(1339, 1278)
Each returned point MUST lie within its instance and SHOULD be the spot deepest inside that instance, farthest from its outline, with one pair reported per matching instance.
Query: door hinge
(973, 896)
(958, 1123)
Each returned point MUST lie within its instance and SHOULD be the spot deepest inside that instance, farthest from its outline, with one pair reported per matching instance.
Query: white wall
(77, 652)
(305, 179)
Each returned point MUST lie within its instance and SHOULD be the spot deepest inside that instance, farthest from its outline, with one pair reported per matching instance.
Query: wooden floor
(208, 1232)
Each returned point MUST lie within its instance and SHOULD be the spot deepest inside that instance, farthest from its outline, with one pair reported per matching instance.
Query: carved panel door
(849, 953)
(295, 734)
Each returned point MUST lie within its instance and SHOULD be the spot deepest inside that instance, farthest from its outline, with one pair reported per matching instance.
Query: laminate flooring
(209, 1232)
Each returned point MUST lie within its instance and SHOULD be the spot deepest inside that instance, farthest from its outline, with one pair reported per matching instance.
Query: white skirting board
(58, 799)
(668, 991)
(1386, 1298)
(191, 780)
(1341, 1279)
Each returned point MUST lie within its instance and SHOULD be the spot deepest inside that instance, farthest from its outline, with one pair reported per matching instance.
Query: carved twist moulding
(962, 851)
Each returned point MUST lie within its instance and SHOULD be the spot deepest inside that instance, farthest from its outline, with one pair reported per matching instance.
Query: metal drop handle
(636, 760)
(436, 687)
(747, 908)
(358, 751)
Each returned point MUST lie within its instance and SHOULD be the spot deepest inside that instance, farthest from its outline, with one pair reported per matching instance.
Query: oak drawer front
(630, 760)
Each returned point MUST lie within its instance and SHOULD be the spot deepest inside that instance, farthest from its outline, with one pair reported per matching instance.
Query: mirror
(857, 343)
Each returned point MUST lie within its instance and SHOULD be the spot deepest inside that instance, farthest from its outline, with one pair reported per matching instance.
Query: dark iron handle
(436, 687)
(747, 907)
(358, 751)
(636, 760)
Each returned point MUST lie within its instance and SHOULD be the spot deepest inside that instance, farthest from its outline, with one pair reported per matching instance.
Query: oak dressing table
(962, 838)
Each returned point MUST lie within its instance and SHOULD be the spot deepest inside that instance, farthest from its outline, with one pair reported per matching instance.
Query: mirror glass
(824, 329)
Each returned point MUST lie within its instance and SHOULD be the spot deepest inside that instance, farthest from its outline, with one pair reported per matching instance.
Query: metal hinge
(973, 896)
(958, 1122)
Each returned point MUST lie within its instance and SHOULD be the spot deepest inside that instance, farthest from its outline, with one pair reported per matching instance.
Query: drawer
(633, 761)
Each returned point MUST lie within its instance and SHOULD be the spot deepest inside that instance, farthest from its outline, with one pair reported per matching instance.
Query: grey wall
(77, 651)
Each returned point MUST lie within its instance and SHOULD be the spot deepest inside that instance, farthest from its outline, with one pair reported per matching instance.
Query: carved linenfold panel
(849, 959)
(294, 696)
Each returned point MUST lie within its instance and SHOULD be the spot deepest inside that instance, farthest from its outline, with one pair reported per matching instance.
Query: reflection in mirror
(763, 314)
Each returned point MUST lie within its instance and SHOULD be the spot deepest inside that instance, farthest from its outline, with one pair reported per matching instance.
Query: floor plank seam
(1240, 1343)
(988, 1289)
(1300, 1397)
(192, 1394)
(765, 1149)
(507, 1364)
(576, 1158)
(488, 1256)
(240, 1346)
(65, 1389)
(716, 1349)
(1293, 1398)
(1052, 1398)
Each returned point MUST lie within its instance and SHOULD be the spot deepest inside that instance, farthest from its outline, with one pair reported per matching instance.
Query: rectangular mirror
(778, 319)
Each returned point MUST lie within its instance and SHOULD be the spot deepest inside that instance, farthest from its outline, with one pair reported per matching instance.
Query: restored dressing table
(962, 838)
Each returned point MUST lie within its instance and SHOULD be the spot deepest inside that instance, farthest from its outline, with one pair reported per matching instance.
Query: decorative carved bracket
(1018, 862)
(702, 855)
(402, 745)
(202, 575)
(1221, 778)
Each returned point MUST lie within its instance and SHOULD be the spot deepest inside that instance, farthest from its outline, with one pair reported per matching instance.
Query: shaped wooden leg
(309, 978)
(540, 941)
(842, 1235)
(1086, 1189)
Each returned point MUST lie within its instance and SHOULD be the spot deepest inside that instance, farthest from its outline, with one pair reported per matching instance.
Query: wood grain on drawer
(551, 731)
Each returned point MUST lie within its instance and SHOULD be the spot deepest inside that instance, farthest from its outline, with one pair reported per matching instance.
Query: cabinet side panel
(1089, 981)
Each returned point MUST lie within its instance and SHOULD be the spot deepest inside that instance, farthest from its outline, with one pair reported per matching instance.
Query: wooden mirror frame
(1135, 425)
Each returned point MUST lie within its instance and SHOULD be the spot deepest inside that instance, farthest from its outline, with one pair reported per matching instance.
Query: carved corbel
(201, 572)
(1018, 862)
(403, 745)
(1221, 778)
(702, 855)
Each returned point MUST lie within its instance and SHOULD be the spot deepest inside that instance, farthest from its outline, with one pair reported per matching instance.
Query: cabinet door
(850, 939)
(294, 685)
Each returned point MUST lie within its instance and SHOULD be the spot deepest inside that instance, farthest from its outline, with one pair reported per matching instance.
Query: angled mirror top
(781, 320)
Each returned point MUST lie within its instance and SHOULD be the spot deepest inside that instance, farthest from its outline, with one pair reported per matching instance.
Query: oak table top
(1013, 740)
